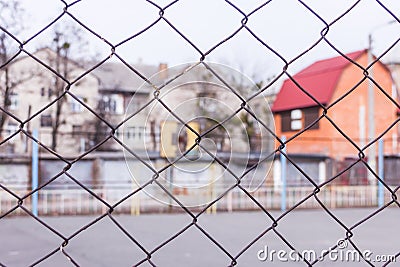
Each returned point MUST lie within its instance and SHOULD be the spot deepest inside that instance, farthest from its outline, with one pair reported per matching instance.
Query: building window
(49, 93)
(76, 106)
(140, 132)
(113, 104)
(285, 121)
(291, 120)
(46, 121)
(13, 98)
(311, 115)
(131, 132)
(296, 115)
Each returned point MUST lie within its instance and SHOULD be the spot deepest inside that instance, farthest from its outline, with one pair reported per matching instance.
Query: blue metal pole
(381, 173)
(283, 176)
(35, 172)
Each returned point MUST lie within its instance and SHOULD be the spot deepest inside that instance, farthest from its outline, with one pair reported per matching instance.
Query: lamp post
(371, 104)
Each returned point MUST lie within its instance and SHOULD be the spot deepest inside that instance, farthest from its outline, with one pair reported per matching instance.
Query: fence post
(283, 176)
(381, 173)
(35, 172)
(229, 201)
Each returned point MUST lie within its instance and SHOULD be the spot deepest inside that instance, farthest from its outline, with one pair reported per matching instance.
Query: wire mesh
(111, 132)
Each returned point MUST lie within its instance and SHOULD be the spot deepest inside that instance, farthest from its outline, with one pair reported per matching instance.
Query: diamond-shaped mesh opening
(300, 17)
(136, 48)
(194, 13)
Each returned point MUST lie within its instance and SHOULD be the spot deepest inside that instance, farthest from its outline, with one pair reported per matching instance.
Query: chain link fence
(59, 83)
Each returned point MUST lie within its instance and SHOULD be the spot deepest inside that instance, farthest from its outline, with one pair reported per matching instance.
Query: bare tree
(66, 39)
(251, 128)
(10, 21)
(100, 129)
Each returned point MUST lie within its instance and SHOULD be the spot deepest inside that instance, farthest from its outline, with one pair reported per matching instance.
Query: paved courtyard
(23, 240)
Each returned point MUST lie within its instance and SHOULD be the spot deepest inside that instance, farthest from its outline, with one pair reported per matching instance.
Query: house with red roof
(338, 85)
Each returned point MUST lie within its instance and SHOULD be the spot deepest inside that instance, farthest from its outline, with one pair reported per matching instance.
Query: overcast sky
(285, 25)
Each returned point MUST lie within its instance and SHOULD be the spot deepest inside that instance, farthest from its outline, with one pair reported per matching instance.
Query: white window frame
(114, 104)
(296, 125)
(296, 116)
(13, 98)
(118, 101)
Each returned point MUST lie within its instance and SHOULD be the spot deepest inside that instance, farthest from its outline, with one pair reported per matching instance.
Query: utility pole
(371, 106)
(371, 113)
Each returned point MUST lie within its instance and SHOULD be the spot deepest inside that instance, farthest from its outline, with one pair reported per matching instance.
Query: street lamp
(371, 103)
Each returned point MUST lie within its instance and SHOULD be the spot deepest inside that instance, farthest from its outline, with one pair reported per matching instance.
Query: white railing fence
(79, 202)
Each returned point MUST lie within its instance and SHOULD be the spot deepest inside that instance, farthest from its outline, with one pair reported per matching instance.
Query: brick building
(327, 81)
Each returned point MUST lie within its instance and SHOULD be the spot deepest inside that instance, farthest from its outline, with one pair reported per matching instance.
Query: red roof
(319, 79)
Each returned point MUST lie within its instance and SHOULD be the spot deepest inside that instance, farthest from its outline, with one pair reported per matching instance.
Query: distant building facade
(33, 90)
(124, 98)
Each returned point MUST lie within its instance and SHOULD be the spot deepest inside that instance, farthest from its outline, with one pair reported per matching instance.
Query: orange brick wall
(327, 140)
